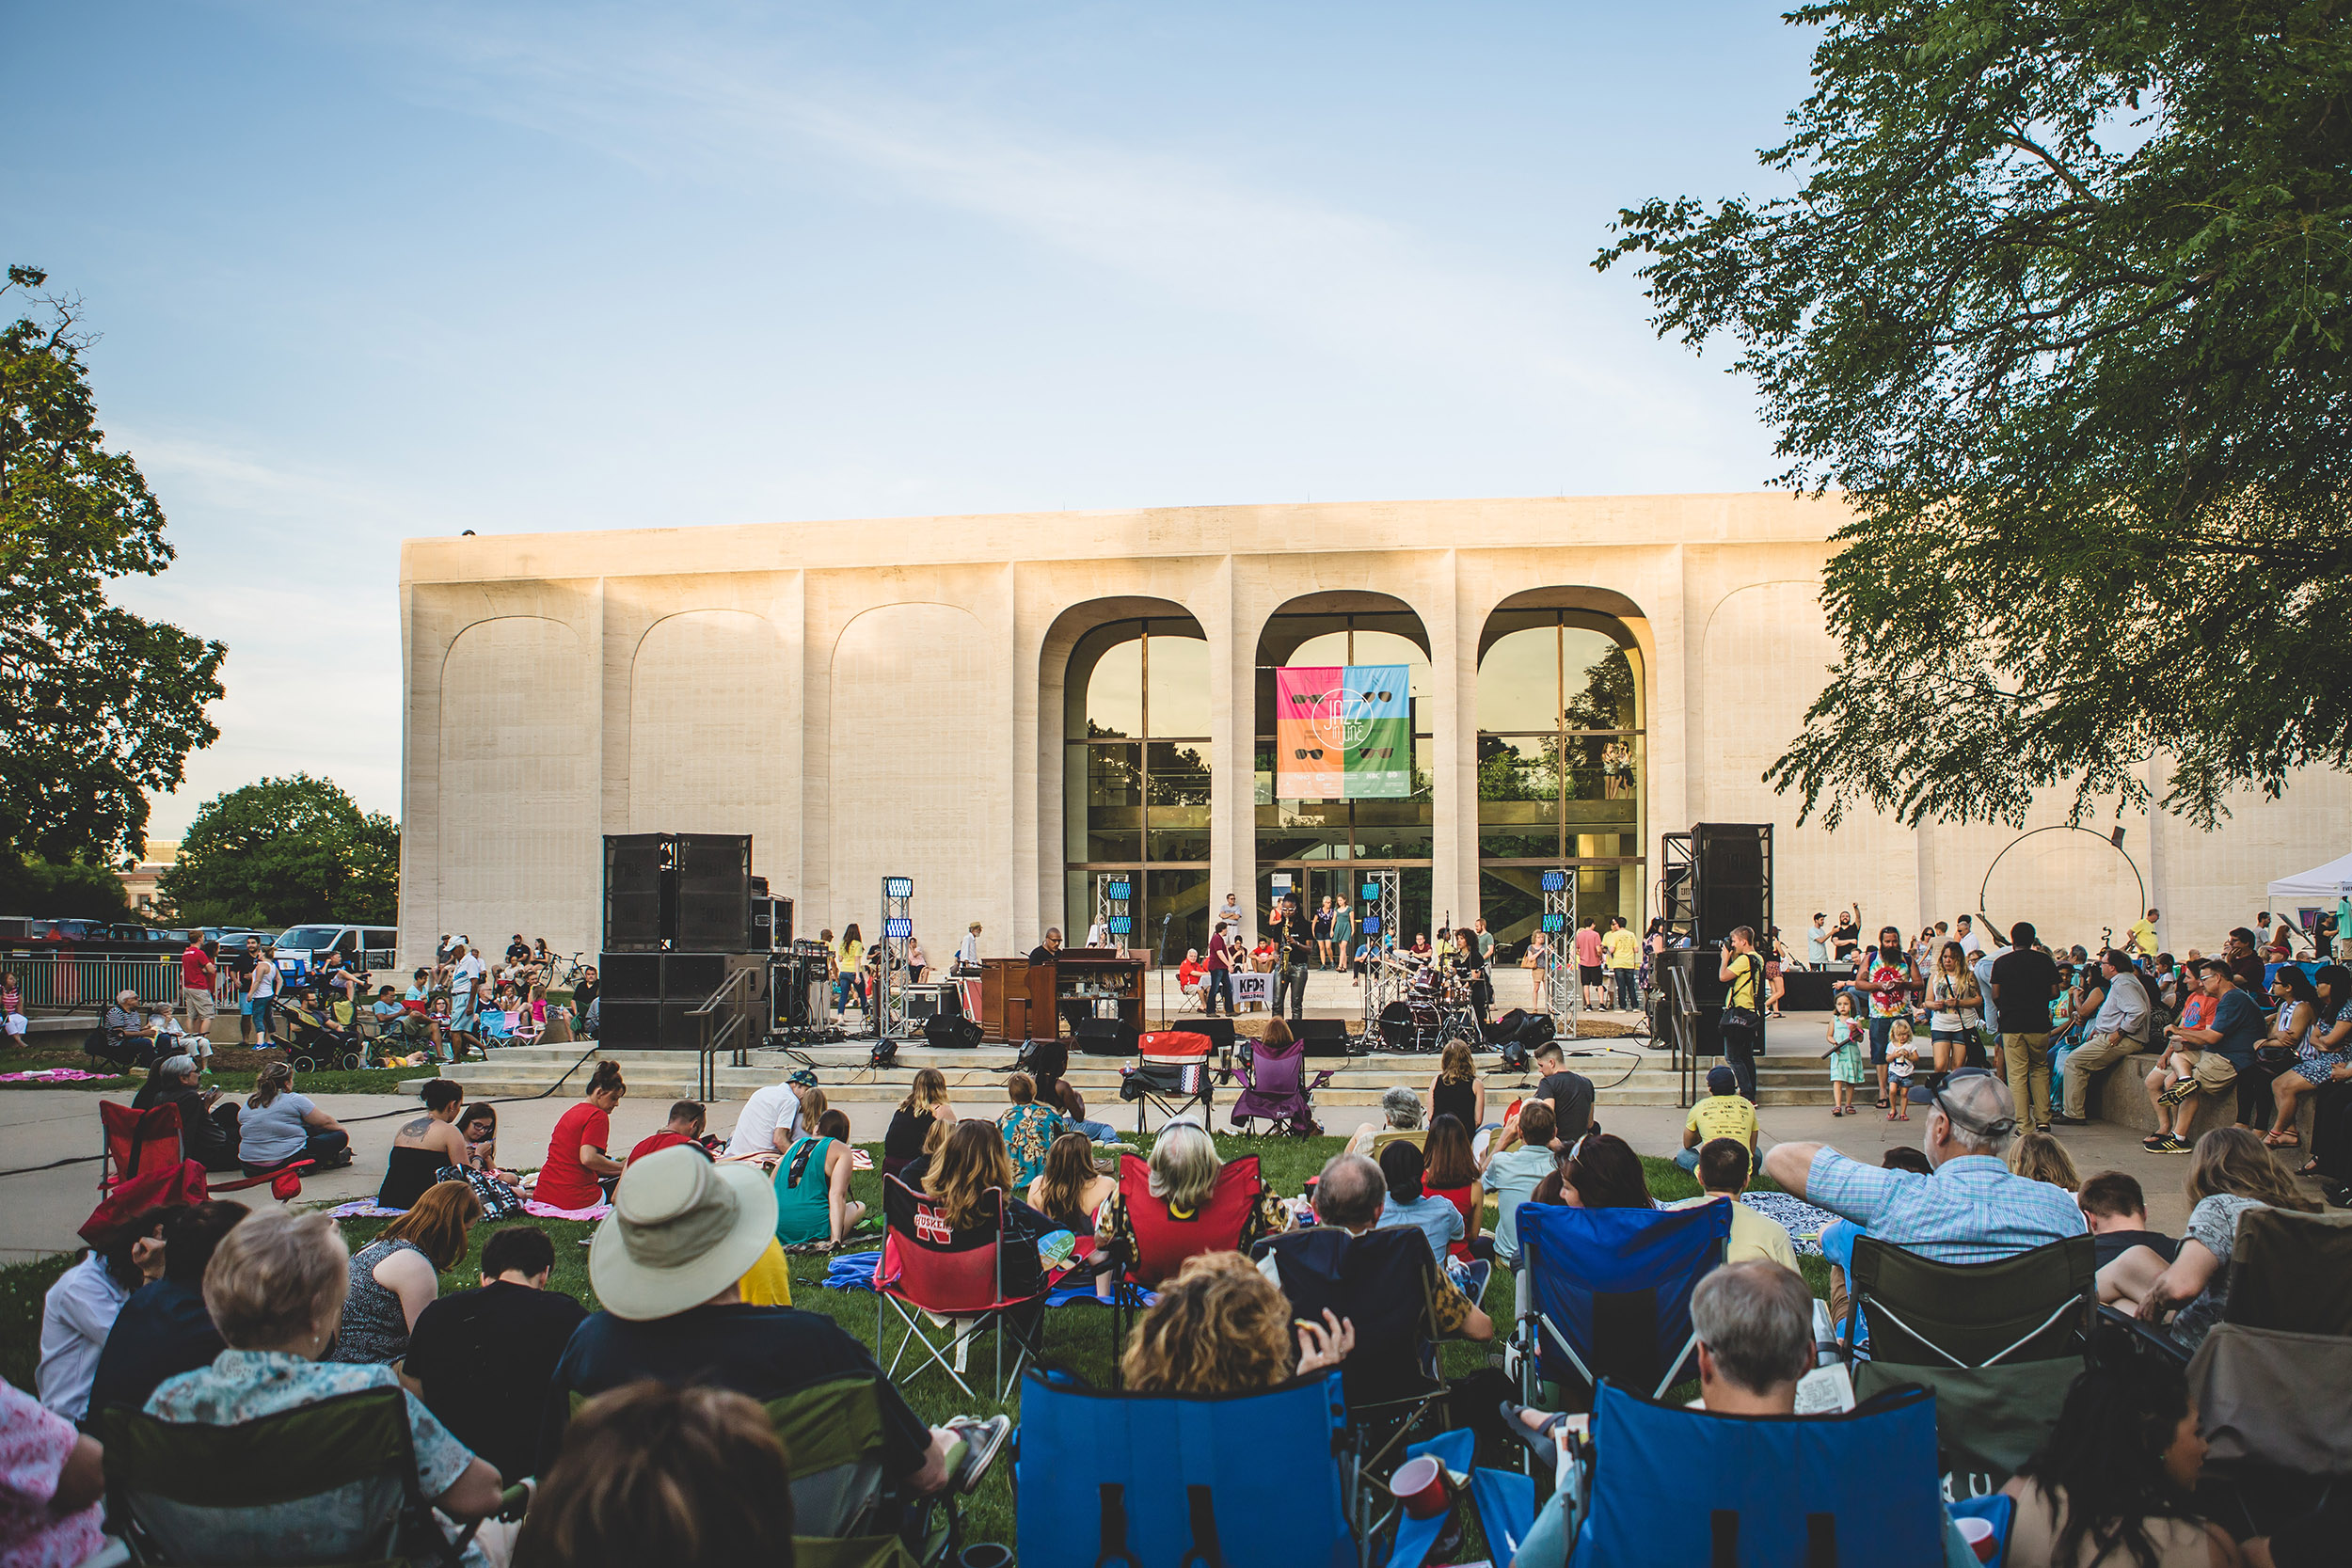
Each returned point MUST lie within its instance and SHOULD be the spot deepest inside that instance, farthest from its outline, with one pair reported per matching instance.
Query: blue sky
(369, 272)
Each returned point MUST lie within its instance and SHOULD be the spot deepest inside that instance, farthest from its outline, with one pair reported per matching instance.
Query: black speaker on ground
(951, 1032)
(1322, 1037)
(714, 892)
(691, 977)
(1219, 1030)
(632, 1025)
(1108, 1037)
(1699, 966)
(637, 876)
(1811, 990)
(1506, 1028)
(1734, 862)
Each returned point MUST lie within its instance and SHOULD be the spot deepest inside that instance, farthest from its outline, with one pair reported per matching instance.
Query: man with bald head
(1971, 1210)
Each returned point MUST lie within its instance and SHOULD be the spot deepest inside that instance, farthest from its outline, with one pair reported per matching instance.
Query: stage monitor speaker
(635, 881)
(630, 977)
(1322, 1037)
(1108, 1037)
(1735, 879)
(1219, 1030)
(951, 1032)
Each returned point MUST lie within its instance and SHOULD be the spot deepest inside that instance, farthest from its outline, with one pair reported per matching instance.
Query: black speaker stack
(1725, 882)
(1322, 1037)
(682, 913)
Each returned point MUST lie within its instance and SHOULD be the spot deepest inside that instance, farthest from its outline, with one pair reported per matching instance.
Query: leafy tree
(75, 890)
(105, 707)
(282, 851)
(2060, 304)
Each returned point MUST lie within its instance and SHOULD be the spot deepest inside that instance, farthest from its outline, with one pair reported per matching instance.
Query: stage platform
(1625, 1071)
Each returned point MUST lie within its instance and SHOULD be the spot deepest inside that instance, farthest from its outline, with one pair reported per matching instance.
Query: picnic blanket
(1802, 1220)
(367, 1208)
(57, 1075)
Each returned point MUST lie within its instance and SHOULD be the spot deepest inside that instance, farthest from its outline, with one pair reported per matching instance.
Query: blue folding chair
(1606, 1294)
(1106, 1476)
(1667, 1484)
(1504, 1501)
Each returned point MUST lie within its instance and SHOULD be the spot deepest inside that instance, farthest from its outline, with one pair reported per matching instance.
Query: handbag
(1745, 1018)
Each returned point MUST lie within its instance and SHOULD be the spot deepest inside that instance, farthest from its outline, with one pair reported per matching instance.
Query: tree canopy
(2060, 304)
(282, 852)
(104, 706)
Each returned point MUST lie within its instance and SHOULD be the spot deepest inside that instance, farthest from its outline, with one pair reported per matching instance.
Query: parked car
(299, 948)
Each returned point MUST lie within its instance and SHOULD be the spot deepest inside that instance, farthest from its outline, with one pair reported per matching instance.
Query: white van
(300, 948)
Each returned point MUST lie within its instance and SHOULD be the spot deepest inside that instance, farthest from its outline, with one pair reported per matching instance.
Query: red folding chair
(139, 1143)
(1158, 1242)
(927, 1266)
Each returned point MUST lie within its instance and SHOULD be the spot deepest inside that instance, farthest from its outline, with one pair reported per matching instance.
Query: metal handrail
(707, 1064)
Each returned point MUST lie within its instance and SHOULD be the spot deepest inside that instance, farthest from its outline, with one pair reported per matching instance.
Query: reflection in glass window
(1135, 791)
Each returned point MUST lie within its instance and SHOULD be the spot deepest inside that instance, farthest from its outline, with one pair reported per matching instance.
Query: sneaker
(2177, 1092)
(2173, 1144)
(2156, 1141)
(983, 1441)
(2062, 1119)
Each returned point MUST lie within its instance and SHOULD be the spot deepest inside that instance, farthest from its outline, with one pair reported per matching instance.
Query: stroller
(303, 1024)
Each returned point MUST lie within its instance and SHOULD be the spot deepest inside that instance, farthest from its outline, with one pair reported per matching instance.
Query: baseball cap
(1721, 1080)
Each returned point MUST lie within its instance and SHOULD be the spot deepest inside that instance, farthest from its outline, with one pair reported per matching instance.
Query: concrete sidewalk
(39, 1210)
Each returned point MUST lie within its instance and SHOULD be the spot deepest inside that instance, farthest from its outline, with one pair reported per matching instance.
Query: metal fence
(55, 983)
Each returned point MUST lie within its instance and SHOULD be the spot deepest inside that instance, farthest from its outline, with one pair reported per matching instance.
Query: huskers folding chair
(928, 1267)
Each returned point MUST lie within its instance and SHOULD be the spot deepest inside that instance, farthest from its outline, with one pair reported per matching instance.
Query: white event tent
(2321, 882)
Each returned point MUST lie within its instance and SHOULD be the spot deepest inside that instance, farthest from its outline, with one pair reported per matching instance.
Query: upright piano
(1024, 1001)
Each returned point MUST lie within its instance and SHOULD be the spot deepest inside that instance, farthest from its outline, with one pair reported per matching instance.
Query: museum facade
(1016, 710)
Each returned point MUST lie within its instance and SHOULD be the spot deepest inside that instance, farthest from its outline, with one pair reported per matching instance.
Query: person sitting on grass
(1522, 1154)
(1027, 1128)
(685, 1477)
(665, 1266)
(2040, 1157)
(1222, 1327)
(2116, 1212)
(396, 1277)
(812, 1182)
(1602, 1173)
(684, 1129)
(481, 1358)
(1725, 1165)
(1400, 1112)
(164, 1329)
(1725, 1112)
(275, 1290)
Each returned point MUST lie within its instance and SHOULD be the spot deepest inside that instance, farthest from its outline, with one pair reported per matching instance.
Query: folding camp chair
(1606, 1294)
(1274, 1090)
(2285, 1332)
(222, 1497)
(926, 1266)
(1156, 1242)
(1504, 1501)
(2000, 1344)
(2033, 1306)
(1385, 1283)
(1174, 1074)
(1166, 1480)
(1663, 1484)
(137, 1143)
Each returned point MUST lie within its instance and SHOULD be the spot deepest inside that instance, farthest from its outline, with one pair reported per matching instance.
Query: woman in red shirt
(578, 1172)
(1451, 1174)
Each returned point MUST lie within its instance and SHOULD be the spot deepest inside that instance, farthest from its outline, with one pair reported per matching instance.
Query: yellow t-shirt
(2144, 936)
(1752, 1234)
(1723, 1115)
(770, 1281)
(1624, 949)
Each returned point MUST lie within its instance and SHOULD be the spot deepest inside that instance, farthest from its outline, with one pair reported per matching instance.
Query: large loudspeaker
(630, 977)
(1218, 1029)
(1108, 1037)
(1699, 966)
(714, 892)
(951, 1032)
(1322, 1037)
(1735, 879)
(635, 878)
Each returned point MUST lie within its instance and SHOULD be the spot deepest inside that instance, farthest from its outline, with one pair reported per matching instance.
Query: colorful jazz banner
(1343, 733)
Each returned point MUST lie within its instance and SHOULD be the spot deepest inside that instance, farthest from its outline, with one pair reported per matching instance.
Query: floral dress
(2316, 1067)
(1028, 1131)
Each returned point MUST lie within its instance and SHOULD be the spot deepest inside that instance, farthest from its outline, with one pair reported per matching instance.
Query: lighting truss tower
(898, 937)
(1562, 985)
(1114, 904)
(1379, 908)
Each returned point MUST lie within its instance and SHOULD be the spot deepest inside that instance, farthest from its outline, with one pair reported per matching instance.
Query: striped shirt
(1973, 1209)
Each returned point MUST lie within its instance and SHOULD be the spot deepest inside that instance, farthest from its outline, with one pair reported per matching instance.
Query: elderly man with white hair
(1400, 1112)
(1971, 1210)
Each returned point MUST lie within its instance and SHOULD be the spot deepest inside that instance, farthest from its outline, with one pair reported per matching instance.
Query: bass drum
(1409, 1026)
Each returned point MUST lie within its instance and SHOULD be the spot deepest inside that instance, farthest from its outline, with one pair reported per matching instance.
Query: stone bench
(2117, 1095)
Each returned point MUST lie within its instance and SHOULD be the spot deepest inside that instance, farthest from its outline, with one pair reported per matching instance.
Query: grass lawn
(1076, 1337)
(233, 1071)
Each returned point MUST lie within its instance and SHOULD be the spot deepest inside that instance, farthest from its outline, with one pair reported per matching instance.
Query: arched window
(1136, 774)
(1560, 765)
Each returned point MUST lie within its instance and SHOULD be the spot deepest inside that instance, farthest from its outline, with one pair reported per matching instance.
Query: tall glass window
(1137, 770)
(1318, 843)
(1560, 766)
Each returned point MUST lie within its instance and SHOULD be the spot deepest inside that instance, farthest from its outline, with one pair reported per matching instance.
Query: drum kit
(1434, 1011)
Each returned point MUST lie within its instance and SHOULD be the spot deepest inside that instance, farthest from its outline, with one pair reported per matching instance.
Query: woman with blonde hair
(1954, 1007)
(1456, 1090)
(924, 1106)
(2228, 1173)
(2039, 1157)
(1184, 1165)
(396, 1277)
(1222, 1327)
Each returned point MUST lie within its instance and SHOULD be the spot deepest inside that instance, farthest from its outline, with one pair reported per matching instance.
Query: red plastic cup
(1979, 1534)
(1420, 1484)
